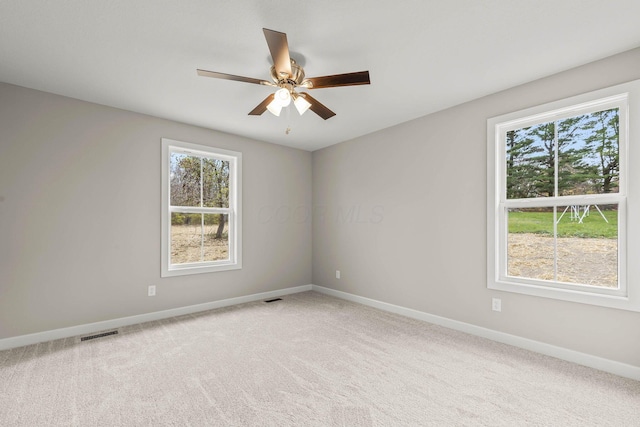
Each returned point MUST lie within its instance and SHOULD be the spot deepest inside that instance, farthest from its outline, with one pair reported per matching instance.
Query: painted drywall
(80, 215)
(402, 214)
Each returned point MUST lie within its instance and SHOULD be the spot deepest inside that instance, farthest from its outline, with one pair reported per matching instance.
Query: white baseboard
(611, 366)
(90, 328)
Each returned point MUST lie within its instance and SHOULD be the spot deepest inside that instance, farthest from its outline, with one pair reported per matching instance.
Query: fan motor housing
(297, 75)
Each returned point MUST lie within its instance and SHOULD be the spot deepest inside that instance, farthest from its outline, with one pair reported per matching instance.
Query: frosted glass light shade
(301, 104)
(283, 97)
(274, 107)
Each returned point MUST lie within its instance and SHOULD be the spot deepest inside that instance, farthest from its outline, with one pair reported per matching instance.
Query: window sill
(199, 269)
(602, 300)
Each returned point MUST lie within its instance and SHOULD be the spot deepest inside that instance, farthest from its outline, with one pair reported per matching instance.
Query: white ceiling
(422, 55)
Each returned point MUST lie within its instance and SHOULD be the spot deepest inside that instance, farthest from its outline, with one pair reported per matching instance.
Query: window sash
(619, 101)
(231, 241)
(190, 265)
(541, 202)
(503, 243)
(197, 210)
(211, 156)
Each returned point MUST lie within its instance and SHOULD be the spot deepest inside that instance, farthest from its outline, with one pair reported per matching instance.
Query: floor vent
(99, 335)
(274, 300)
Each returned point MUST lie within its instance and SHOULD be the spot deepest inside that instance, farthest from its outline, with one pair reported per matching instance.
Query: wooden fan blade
(279, 49)
(217, 75)
(317, 107)
(348, 79)
(262, 107)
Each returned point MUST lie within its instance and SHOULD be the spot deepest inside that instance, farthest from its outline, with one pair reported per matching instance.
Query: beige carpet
(308, 360)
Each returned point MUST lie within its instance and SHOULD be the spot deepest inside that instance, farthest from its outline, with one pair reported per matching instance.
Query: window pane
(588, 245)
(530, 243)
(216, 183)
(588, 153)
(185, 180)
(186, 238)
(216, 237)
(530, 162)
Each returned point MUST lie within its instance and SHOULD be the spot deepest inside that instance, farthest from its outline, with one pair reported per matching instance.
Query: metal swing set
(579, 212)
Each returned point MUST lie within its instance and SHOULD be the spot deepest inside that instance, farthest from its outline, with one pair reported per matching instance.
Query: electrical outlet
(152, 290)
(496, 304)
(337, 274)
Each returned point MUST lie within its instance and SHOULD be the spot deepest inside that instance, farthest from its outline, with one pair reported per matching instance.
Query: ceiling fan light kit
(287, 75)
(283, 97)
(301, 104)
(274, 108)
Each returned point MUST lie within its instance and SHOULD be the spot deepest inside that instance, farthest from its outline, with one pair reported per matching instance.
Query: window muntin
(622, 101)
(201, 209)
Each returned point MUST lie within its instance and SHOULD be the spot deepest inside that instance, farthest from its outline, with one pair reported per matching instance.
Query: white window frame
(626, 97)
(234, 210)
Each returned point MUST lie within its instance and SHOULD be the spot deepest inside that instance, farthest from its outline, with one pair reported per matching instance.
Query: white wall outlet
(337, 274)
(496, 304)
(152, 290)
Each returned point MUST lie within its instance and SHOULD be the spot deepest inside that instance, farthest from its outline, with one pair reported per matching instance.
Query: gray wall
(80, 214)
(402, 214)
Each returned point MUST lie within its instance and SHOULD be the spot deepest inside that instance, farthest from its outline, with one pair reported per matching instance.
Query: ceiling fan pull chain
(288, 129)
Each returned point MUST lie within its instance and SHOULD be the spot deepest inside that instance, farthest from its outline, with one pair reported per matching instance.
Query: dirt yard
(587, 261)
(186, 244)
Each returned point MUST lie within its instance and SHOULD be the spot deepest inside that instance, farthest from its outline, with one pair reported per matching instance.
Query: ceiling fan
(287, 75)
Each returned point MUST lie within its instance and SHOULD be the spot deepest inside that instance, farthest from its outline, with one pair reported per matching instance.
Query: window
(558, 187)
(201, 215)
